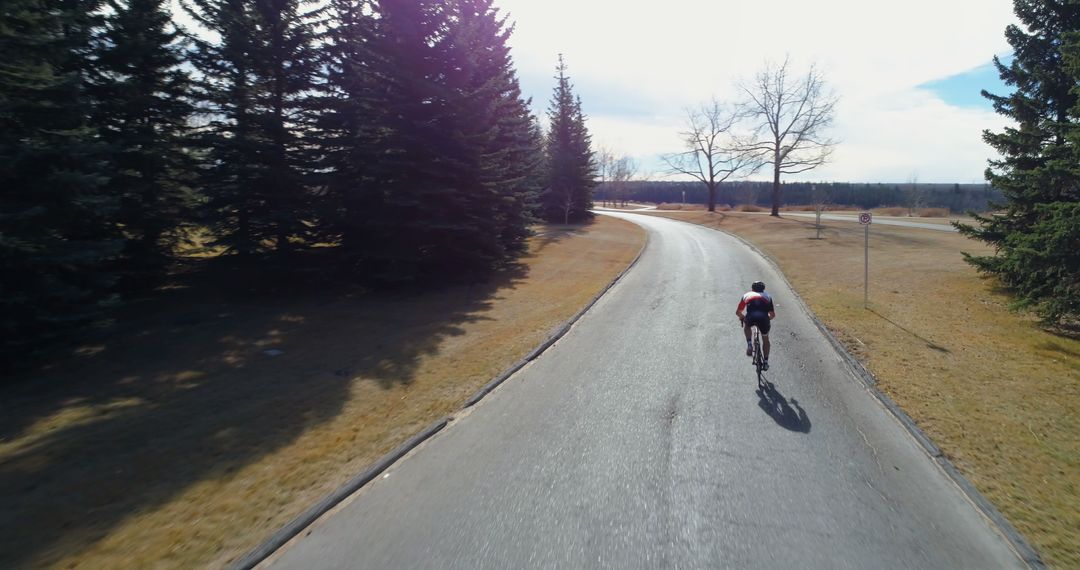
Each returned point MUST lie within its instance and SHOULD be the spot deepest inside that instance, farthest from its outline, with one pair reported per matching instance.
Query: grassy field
(684, 207)
(208, 422)
(999, 395)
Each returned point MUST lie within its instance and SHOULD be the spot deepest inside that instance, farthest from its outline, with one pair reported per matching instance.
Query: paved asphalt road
(641, 440)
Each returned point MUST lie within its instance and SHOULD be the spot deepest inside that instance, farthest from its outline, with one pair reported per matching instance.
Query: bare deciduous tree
(790, 117)
(914, 195)
(819, 195)
(749, 194)
(605, 161)
(711, 154)
(623, 171)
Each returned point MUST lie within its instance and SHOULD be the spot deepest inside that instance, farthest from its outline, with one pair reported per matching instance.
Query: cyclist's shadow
(788, 414)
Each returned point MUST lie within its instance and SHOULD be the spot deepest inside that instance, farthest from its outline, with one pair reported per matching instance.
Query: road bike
(759, 359)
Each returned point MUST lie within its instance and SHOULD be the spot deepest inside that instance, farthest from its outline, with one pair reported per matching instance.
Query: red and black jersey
(756, 303)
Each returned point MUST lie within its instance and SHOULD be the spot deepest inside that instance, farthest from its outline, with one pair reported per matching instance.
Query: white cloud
(666, 56)
(923, 136)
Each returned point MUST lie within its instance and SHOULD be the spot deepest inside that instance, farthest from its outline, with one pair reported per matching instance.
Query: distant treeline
(956, 197)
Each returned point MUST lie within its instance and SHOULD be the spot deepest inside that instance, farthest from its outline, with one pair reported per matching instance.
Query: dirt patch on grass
(999, 395)
(188, 438)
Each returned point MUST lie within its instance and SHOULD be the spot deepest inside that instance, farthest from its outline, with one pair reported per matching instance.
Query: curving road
(640, 440)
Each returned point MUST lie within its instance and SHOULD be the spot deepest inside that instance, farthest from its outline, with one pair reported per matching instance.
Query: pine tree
(584, 166)
(256, 81)
(287, 64)
(408, 198)
(568, 195)
(1038, 233)
(350, 110)
(434, 151)
(141, 112)
(57, 232)
(502, 152)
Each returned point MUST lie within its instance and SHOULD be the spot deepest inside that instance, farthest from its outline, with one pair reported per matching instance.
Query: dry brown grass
(813, 208)
(999, 395)
(945, 219)
(896, 211)
(181, 443)
(892, 211)
(627, 206)
(933, 212)
(749, 208)
(691, 207)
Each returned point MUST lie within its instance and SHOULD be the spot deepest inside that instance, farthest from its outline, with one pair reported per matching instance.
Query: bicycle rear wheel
(758, 358)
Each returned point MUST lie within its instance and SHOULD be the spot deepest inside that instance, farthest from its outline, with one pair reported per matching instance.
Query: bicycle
(759, 358)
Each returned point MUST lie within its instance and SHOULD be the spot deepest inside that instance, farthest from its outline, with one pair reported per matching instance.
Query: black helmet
(758, 287)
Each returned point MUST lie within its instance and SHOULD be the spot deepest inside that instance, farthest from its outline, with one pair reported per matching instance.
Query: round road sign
(864, 218)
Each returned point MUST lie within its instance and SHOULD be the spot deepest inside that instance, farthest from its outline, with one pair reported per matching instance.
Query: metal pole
(866, 266)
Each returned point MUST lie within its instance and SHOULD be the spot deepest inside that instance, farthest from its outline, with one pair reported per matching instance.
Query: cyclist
(759, 311)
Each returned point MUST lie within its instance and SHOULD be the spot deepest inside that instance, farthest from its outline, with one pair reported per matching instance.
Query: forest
(958, 198)
(380, 143)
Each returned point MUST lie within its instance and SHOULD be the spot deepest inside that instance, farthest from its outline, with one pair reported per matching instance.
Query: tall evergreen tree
(568, 195)
(406, 194)
(141, 112)
(433, 164)
(256, 81)
(351, 110)
(287, 64)
(57, 232)
(1037, 236)
(503, 154)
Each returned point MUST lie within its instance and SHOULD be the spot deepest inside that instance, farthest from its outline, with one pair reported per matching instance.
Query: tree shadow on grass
(886, 235)
(787, 414)
(194, 392)
(1070, 357)
(1068, 329)
(549, 234)
(929, 343)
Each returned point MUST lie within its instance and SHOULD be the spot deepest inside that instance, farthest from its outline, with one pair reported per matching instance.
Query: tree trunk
(712, 197)
(281, 245)
(243, 233)
(776, 189)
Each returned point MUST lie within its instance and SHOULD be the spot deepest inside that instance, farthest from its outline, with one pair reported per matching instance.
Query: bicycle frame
(758, 358)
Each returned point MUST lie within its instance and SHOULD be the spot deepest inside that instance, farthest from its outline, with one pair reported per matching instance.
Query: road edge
(305, 519)
(1020, 546)
(559, 333)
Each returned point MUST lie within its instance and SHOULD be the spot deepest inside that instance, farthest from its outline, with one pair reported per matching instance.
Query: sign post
(865, 219)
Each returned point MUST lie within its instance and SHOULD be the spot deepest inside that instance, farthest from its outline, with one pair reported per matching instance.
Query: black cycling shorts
(759, 320)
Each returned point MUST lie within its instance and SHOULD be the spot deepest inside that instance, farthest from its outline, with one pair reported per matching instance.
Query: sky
(908, 74)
